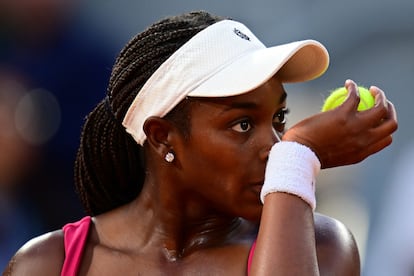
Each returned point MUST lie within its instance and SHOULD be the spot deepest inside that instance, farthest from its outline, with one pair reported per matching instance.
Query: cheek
(217, 156)
(215, 164)
(225, 172)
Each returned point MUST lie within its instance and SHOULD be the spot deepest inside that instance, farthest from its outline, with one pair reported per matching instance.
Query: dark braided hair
(109, 171)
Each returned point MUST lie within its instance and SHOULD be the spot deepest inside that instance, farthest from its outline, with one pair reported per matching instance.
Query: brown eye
(280, 118)
(242, 126)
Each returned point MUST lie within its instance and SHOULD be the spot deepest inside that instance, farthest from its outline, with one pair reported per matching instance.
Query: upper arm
(336, 248)
(43, 255)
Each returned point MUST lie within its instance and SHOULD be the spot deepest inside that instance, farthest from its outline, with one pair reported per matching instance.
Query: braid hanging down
(108, 167)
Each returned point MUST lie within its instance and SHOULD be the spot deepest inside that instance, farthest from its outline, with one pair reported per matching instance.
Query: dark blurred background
(55, 61)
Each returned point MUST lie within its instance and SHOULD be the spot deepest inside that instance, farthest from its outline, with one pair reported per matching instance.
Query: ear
(159, 132)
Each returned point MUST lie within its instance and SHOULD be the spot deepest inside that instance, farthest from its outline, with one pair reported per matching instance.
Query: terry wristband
(291, 168)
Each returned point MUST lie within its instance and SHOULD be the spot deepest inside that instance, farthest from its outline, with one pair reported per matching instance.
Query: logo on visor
(241, 34)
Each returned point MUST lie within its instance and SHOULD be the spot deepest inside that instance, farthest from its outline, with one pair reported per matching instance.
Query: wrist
(292, 168)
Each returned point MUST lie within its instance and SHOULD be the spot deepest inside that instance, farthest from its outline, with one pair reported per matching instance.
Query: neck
(180, 225)
(169, 224)
(187, 238)
(181, 230)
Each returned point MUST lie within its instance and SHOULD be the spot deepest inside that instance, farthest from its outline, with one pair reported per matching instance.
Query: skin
(200, 213)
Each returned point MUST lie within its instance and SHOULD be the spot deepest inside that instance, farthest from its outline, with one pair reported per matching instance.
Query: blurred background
(56, 57)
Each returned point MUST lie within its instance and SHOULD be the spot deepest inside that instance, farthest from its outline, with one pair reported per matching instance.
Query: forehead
(270, 93)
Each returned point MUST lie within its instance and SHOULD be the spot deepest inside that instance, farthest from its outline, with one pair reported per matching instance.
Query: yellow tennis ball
(338, 96)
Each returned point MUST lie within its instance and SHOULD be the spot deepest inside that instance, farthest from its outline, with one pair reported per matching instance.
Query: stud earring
(169, 157)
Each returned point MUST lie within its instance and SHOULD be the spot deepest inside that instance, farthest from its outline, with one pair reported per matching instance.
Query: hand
(344, 136)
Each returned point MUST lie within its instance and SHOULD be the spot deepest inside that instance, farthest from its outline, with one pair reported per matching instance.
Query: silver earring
(169, 157)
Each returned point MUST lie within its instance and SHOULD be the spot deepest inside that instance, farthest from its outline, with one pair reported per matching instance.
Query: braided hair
(109, 171)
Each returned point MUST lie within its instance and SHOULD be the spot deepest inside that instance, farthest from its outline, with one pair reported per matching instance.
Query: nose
(273, 137)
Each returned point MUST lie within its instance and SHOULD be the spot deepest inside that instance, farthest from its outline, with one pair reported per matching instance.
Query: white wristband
(292, 168)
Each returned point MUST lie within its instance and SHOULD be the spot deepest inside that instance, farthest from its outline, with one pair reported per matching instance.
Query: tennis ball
(338, 96)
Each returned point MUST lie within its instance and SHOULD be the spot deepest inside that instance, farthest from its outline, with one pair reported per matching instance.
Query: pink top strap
(75, 235)
(251, 253)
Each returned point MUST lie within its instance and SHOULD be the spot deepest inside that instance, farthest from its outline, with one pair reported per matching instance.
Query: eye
(242, 126)
(280, 118)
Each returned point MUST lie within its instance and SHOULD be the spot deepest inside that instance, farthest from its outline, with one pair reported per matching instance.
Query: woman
(186, 168)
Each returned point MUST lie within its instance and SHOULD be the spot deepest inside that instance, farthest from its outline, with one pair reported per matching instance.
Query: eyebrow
(251, 105)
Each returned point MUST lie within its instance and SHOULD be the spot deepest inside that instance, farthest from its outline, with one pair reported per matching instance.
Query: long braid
(108, 168)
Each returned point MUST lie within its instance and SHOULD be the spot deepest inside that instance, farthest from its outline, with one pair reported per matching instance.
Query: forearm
(286, 239)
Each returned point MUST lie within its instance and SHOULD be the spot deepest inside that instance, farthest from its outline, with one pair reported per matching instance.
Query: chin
(253, 216)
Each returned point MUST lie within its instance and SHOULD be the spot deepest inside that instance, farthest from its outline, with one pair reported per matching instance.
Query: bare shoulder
(42, 255)
(336, 247)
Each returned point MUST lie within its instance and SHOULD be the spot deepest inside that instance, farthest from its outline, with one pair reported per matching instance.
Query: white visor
(225, 59)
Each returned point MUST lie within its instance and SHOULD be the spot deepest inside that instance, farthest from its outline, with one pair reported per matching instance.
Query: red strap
(75, 235)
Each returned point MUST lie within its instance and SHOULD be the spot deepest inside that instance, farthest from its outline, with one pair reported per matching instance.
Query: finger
(352, 100)
(392, 113)
(370, 149)
(379, 145)
(379, 95)
(382, 110)
(389, 123)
